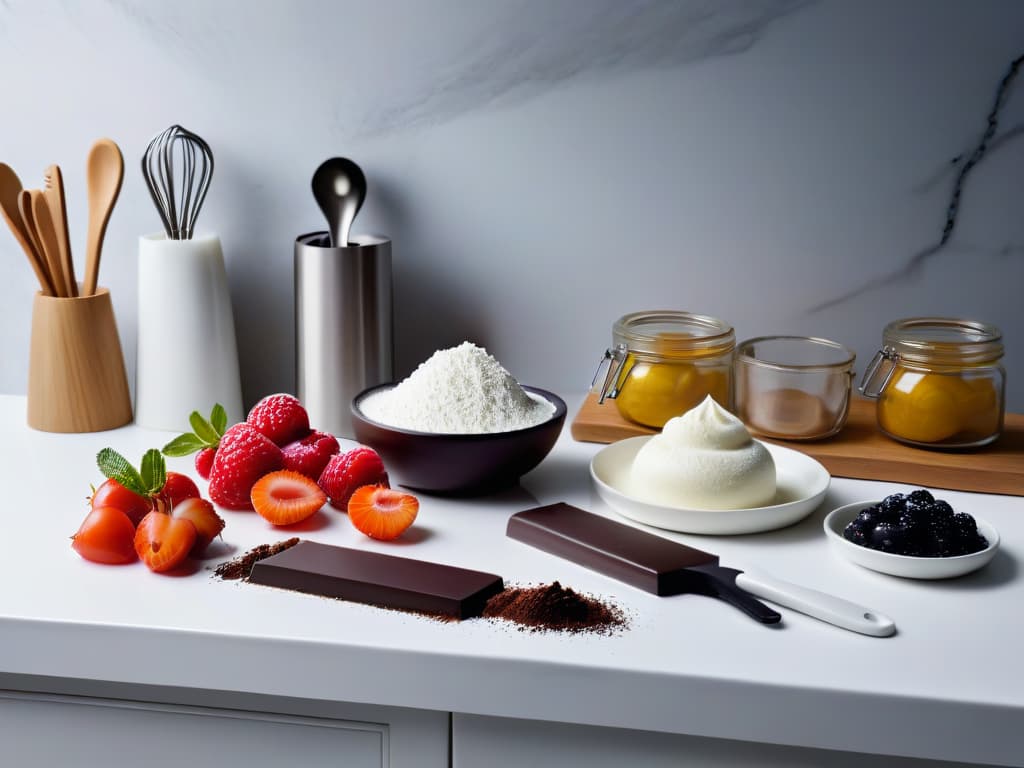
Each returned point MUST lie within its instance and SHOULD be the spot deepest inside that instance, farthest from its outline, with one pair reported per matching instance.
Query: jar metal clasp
(879, 372)
(614, 358)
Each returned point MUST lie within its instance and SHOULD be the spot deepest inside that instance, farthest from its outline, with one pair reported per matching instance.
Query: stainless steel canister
(343, 325)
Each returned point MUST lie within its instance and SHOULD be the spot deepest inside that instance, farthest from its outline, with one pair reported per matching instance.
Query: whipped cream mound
(704, 459)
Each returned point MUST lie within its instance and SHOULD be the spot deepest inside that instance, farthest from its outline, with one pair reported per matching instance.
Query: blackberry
(941, 509)
(856, 532)
(892, 505)
(869, 517)
(964, 526)
(886, 537)
(921, 496)
(917, 509)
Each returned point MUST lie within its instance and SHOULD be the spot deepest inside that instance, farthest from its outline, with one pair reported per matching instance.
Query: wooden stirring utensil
(54, 194)
(47, 235)
(38, 256)
(10, 188)
(104, 171)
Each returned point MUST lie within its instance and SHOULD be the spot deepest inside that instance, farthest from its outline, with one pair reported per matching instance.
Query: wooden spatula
(54, 194)
(104, 172)
(10, 188)
(36, 254)
(47, 236)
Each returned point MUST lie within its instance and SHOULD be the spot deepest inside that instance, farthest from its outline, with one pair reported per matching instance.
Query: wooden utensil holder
(76, 375)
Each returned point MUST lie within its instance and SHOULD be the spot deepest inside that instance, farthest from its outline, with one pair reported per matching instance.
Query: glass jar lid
(666, 332)
(943, 340)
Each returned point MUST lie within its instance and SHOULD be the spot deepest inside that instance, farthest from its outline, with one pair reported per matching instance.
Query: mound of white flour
(460, 390)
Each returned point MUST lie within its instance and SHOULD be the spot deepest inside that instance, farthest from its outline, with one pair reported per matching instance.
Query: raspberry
(310, 455)
(244, 456)
(281, 418)
(347, 471)
(204, 462)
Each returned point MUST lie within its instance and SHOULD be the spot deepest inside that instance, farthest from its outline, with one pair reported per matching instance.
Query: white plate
(802, 483)
(906, 565)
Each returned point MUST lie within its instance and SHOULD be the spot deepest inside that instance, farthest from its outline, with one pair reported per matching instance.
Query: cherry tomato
(177, 488)
(162, 541)
(105, 536)
(204, 517)
(113, 494)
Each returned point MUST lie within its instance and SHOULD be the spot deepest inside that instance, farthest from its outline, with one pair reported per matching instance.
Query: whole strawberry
(348, 471)
(310, 455)
(281, 418)
(243, 457)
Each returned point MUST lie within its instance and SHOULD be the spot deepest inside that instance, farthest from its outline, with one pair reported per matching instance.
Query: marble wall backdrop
(545, 166)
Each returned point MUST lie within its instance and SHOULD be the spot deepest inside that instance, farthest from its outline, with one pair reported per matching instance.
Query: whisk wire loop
(178, 197)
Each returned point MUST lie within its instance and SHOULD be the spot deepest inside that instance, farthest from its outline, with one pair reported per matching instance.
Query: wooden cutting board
(861, 451)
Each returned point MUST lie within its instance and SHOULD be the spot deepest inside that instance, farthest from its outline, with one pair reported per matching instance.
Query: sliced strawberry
(163, 542)
(286, 498)
(244, 456)
(204, 462)
(382, 513)
(281, 418)
(177, 488)
(348, 471)
(310, 455)
(204, 517)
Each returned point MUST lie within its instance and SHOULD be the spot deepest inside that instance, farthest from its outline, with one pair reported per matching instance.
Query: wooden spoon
(104, 172)
(37, 257)
(54, 194)
(10, 187)
(47, 235)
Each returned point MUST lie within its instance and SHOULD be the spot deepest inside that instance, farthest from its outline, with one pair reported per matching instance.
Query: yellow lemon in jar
(652, 393)
(981, 408)
(923, 407)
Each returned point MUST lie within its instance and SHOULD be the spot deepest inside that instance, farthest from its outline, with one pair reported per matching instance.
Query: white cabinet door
(41, 730)
(492, 742)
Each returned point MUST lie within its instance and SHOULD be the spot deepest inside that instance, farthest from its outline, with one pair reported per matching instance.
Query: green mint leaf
(153, 471)
(219, 418)
(203, 429)
(115, 466)
(183, 445)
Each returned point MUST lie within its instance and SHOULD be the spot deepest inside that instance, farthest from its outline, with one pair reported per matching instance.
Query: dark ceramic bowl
(458, 464)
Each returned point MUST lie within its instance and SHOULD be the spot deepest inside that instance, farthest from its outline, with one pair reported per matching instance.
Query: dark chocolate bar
(376, 579)
(643, 560)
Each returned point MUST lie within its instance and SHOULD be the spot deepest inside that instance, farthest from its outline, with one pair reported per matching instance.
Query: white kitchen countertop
(949, 685)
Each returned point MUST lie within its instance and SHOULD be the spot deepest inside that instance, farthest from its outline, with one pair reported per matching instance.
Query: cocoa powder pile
(554, 608)
(241, 566)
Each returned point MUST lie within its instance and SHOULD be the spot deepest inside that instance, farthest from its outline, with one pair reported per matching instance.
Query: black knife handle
(754, 608)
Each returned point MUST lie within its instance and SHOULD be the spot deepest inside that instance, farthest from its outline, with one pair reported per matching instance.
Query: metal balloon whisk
(178, 166)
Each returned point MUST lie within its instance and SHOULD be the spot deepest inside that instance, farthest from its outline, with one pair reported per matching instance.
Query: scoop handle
(820, 605)
(741, 599)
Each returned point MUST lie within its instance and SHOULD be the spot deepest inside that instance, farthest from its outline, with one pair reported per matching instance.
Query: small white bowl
(802, 483)
(906, 566)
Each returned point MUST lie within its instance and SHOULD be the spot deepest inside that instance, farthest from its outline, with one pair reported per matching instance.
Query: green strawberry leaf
(153, 471)
(115, 466)
(203, 429)
(219, 418)
(183, 445)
